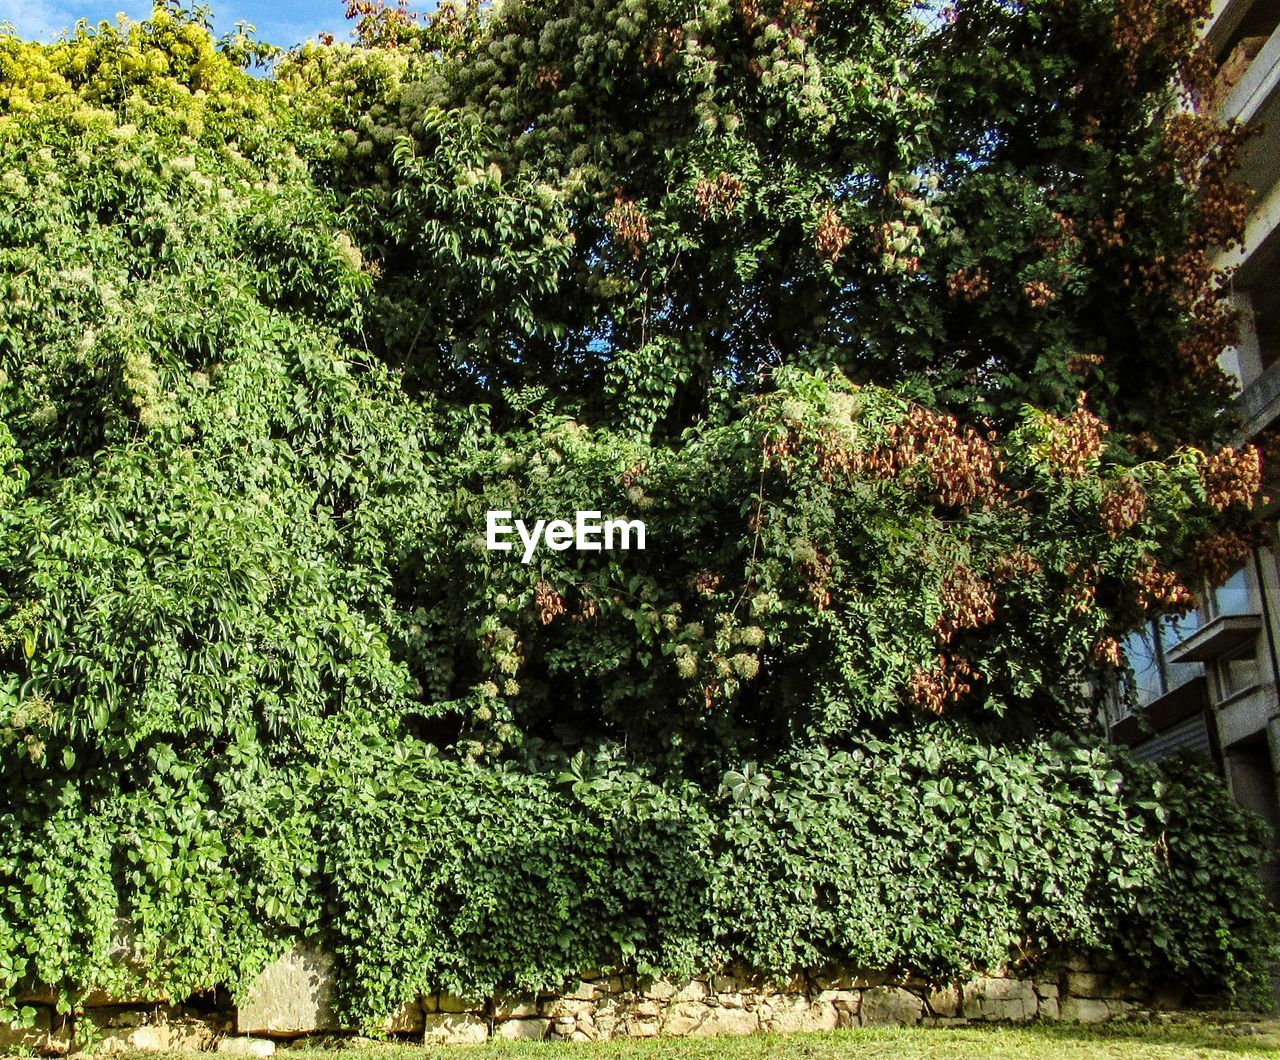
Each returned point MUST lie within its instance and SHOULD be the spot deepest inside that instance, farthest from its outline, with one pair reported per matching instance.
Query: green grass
(1199, 1038)
(1137, 1041)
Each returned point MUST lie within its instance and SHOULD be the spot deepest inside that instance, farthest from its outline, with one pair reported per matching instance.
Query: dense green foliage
(641, 206)
(930, 855)
(851, 321)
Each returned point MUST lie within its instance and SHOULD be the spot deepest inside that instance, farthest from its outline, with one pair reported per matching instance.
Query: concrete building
(1210, 683)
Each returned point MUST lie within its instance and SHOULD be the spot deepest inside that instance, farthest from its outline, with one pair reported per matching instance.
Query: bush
(444, 875)
(942, 851)
(934, 854)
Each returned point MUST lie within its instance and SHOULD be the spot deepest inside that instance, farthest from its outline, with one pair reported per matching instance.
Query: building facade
(1210, 683)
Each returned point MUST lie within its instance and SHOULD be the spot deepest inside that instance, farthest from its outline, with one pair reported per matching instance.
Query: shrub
(941, 851)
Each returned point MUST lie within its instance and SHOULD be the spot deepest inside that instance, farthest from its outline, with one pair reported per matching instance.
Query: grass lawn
(1124, 1042)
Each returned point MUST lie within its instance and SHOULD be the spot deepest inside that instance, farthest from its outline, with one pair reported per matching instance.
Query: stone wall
(295, 997)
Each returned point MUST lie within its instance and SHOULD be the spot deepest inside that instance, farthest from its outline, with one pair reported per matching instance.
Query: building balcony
(1258, 404)
(1216, 639)
(1249, 98)
(1181, 713)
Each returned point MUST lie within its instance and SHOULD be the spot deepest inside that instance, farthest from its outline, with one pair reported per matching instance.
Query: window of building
(1147, 650)
(1238, 671)
(1265, 301)
(1144, 659)
(1232, 597)
(1257, 305)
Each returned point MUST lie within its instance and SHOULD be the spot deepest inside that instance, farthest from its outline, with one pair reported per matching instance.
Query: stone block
(454, 1028)
(660, 990)
(1046, 988)
(582, 991)
(407, 1019)
(683, 1016)
(190, 1037)
(566, 1007)
(116, 1017)
(837, 997)
(890, 1006)
(163, 1038)
(793, 1014)
(293, 996)
(219, 1021)
(454, 1004)
(608, 1017)
(797, 985)
(521, 1030)
(37, 995)
(693, 990)
(246, 1047)
(1084, 984)
(1050, 1009)
(514, 1006)
(943, 1001)
(154, 1038)
(944, 1021)
(1084, 1010)
(1096, 985)
(726, 1021)
(642, 1028)
(1169, 997)
(44, 1036)
(988, 998)
(697, 1020)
